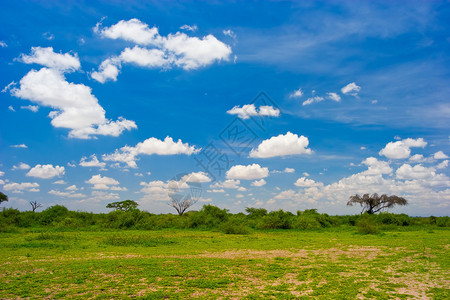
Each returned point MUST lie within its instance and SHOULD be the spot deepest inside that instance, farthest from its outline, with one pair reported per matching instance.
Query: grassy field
(336, 263)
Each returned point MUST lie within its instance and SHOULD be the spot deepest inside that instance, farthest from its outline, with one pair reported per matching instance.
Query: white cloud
(75, 106)
(102, 196)
(442, 165)
(20, 146)
(351, 89)
(92, 163)
(21, 187)
(102, 183)
(315, 99)
(259, 183)
(46, 171)
(192, 52)
(406, 171)
(196, 177)
(72, 188)
(305, 182)
(229, 33)
(286, 170)
(150, 146)
(334, 97)
(227, 184)
(440, 155)
(176, 49)
(189, 28)
(3, 44)
(401, 149)
(11, 108)
(59, 182)
(148, 58)
(33, 108)
(69, 194)
(132, 30)
(46, 57)
(249, 172)
(21, 166)
(282, 145)
(108, 70)
(296, 94)
(217, 191)
(249, 110)
(376, 167)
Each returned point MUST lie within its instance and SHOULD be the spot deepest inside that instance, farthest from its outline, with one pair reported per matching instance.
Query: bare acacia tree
(374, 203)
(181, 204)
(35, 205)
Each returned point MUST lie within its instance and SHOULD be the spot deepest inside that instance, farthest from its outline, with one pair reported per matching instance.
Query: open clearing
(178, 264)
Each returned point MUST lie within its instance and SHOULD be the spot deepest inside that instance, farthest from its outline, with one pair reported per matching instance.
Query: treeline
(208, 218)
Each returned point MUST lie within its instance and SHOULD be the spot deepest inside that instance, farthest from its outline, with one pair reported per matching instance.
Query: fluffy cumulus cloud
(128, 155)
(155, 51)
(402, 149)
(227, 184)
(376, 167)
(250, 172)
(440, 155)
(75, 107)
(282, 145)
(15, 187)
(305, 182)
(198, 177)
(33, 108)
(419, 184)
(46, 171)
(334, 97)
(21, 166)
(249, 110)
(351, 89)
(93, 162)
(104, 183)
(259, 183)
(48, 58)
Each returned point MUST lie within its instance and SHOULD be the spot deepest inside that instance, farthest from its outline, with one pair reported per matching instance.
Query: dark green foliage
(53, 214)
(277, 220)
(256, 213)
(209, 216)
(367, 225)
(125, 205)
(3, 198)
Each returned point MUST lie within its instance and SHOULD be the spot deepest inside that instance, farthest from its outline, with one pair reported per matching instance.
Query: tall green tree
(374, 203)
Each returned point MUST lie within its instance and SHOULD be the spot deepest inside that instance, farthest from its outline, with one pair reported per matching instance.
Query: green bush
(306, 222)
(443, 222)
(367, 225)
(53, 214)
(209, 216)
(277, 220)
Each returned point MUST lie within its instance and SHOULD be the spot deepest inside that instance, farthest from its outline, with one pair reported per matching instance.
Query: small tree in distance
(123, 205)
(35, 205)
(3, 198)
(374, 203)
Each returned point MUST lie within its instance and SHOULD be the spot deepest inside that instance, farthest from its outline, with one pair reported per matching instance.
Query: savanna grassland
(333, 262)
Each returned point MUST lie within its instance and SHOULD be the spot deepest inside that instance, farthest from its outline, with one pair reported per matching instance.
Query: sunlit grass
(336, 263)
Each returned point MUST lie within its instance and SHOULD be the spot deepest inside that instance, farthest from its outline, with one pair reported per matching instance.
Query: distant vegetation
(208, 218)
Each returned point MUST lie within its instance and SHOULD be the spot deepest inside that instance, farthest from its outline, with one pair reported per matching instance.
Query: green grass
(335, 263)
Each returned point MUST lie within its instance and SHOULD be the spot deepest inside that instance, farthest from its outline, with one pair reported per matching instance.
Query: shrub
(366, 225)
(231, 227)
(277, 220)
(53, 214)
(209, 216)
(443, 222)
(306, 222)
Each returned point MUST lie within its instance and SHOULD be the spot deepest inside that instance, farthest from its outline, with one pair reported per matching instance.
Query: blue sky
(286, 105)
